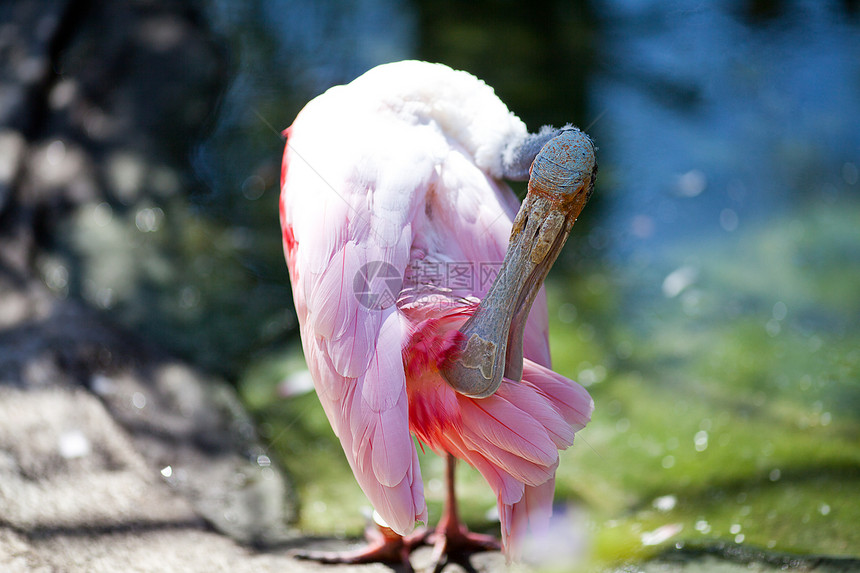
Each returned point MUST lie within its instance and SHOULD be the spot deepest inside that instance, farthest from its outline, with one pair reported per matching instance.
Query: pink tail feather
(513, 438)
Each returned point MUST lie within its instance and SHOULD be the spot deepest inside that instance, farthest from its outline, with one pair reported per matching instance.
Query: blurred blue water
(707, 117)
(713, 120)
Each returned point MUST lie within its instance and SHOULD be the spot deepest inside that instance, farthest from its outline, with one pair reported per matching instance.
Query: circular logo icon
(377, 285)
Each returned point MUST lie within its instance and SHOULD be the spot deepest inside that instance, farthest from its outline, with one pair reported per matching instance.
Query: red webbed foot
(383, 546)
(451, 542)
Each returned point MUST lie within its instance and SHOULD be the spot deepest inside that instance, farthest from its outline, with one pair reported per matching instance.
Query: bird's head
(561, 180)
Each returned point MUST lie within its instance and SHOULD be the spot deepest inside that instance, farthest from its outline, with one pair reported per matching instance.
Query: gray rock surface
(114, 455)
(76, 495)
(102, 437)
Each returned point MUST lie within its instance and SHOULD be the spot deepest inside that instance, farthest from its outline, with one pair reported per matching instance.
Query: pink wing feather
(336, 226)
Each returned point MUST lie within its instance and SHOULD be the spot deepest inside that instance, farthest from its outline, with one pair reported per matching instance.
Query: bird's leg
(452, 538)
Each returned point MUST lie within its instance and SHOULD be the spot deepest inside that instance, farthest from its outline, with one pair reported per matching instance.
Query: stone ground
(77, 494)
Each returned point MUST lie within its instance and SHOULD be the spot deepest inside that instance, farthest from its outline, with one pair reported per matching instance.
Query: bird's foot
(450, 544)
(383, 546)
(453, 542)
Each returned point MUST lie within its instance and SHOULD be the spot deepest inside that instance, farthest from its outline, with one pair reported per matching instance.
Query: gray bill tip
(565, 163)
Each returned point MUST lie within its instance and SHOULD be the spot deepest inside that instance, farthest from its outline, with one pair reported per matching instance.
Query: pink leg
(452, 539)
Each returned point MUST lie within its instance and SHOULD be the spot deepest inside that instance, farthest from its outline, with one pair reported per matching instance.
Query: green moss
(736, 403)
(729, 413)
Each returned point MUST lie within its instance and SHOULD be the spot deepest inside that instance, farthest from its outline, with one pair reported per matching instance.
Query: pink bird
(395, 220)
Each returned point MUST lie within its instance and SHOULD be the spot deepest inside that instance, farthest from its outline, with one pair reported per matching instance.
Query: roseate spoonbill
(395, 218)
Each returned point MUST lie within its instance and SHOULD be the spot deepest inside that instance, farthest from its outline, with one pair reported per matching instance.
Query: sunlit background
(709, 297)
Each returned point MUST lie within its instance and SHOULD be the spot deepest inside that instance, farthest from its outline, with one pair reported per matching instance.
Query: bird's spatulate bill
(560, 183)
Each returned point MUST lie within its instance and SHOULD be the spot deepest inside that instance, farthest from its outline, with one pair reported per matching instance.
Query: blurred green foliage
(731, 410)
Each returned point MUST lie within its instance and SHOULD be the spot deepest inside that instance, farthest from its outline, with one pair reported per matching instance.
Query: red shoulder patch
(286, 134)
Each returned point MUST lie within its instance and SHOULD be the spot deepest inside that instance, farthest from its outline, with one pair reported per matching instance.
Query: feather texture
(512, 437)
